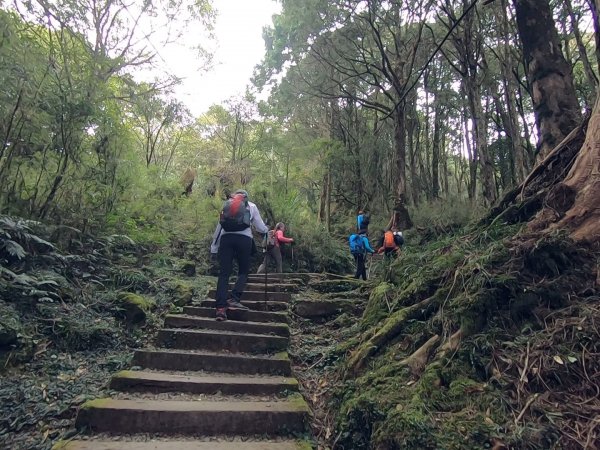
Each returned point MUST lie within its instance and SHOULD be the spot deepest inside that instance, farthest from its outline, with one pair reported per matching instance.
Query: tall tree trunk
(400, 217)
(554, 100)
(436, 148)
(583, 181)
(587, 66)
(511, 88)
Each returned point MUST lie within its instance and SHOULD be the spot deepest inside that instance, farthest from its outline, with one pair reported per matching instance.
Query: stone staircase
(207, 384)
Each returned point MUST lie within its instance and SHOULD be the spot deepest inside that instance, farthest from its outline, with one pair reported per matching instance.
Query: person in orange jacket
(389, 244)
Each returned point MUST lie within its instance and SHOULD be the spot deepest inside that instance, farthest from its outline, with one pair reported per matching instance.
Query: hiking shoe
(234, 305)
(221, 314)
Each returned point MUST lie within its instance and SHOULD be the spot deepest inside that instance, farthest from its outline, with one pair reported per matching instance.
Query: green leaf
(14, 249)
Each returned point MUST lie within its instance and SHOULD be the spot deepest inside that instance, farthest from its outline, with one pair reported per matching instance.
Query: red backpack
(235, 215)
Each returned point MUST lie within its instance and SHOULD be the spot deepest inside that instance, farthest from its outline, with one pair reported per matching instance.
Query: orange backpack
(388, 240)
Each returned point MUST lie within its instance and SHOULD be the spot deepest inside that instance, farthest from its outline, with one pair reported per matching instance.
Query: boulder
(135, 307)
(182, 293)
(188, 268)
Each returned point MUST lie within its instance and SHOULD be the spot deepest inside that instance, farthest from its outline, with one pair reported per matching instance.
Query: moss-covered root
(391, 328)
(417, 361)
(451, 345)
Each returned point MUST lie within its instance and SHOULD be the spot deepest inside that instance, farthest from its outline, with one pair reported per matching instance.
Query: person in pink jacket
(275, 252)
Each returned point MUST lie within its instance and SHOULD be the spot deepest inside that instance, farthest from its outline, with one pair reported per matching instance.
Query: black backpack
(365, 220)
(235, 215)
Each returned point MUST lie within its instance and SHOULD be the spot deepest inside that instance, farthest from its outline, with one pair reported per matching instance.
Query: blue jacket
(359, 221)
(365, 243)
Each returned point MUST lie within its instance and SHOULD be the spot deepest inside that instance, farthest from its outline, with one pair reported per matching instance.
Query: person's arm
(216, 240)
(257, 221)
(282, 239)
(368, 246)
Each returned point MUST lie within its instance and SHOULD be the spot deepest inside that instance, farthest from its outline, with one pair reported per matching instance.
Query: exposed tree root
(523, 202)
(451, 345)
(392, 327)
(417, 361)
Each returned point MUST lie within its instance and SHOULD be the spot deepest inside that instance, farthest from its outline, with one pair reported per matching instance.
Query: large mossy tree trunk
(574, 204)
(563, 190)
(555, 102)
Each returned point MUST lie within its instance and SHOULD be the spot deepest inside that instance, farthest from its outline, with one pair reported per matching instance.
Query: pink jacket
(281, 239)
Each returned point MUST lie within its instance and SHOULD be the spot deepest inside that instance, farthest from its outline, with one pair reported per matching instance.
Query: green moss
(281, 356)
(129, 298)
(97, 403)
(183, 293)
(377, 306)
(296, 401)
(304, 445)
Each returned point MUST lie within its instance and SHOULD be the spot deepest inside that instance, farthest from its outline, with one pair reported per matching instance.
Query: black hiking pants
(238, 247)
(361, 270)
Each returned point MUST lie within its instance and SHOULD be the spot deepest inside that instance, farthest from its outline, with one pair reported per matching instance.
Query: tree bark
(554, 99)
(579, 194)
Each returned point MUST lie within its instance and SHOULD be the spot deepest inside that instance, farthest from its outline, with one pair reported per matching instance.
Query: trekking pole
(266, 260)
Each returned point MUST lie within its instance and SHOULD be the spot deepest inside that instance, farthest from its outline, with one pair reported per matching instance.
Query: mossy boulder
(10, 326)
(182, 293)
(188, 268)
(135, 307)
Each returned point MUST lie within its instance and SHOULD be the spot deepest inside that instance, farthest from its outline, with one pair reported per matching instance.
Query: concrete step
(254, 305)
(271, 286)
(273, 281)
(221, 340)
(259, 295)
(156, 382)
(181, 445)
(278, 364)
(193, 417)
(241, 316)
(284, 277)
(185, 321)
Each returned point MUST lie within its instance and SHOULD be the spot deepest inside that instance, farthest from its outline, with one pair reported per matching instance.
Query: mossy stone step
(181, 445)
(185, 321)
(218, 341)
(194, 417)
(254, 305)
(239, 316)
(259, 285)
(272, 281)
(259, 295)
(158, 382)
(169, 359)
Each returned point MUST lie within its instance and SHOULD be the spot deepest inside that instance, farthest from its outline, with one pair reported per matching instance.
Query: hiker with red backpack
(233, 240)
(275, 238)
(359, 246)
(389, 244)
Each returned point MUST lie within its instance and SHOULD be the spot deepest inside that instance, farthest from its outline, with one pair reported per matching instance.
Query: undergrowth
(482, 338)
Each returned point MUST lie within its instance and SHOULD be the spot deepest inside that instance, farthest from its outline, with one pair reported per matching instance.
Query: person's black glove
(213, 257)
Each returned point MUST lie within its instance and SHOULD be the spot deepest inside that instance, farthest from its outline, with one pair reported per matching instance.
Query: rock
(135, 306)
(189, 268)
(10, 325)
(312, 309)
(183, 294)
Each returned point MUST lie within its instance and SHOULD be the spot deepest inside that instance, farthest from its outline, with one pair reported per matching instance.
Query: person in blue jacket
(359, 247)
(362, 221)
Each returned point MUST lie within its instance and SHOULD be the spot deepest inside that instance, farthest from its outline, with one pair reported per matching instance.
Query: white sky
(239, 48)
